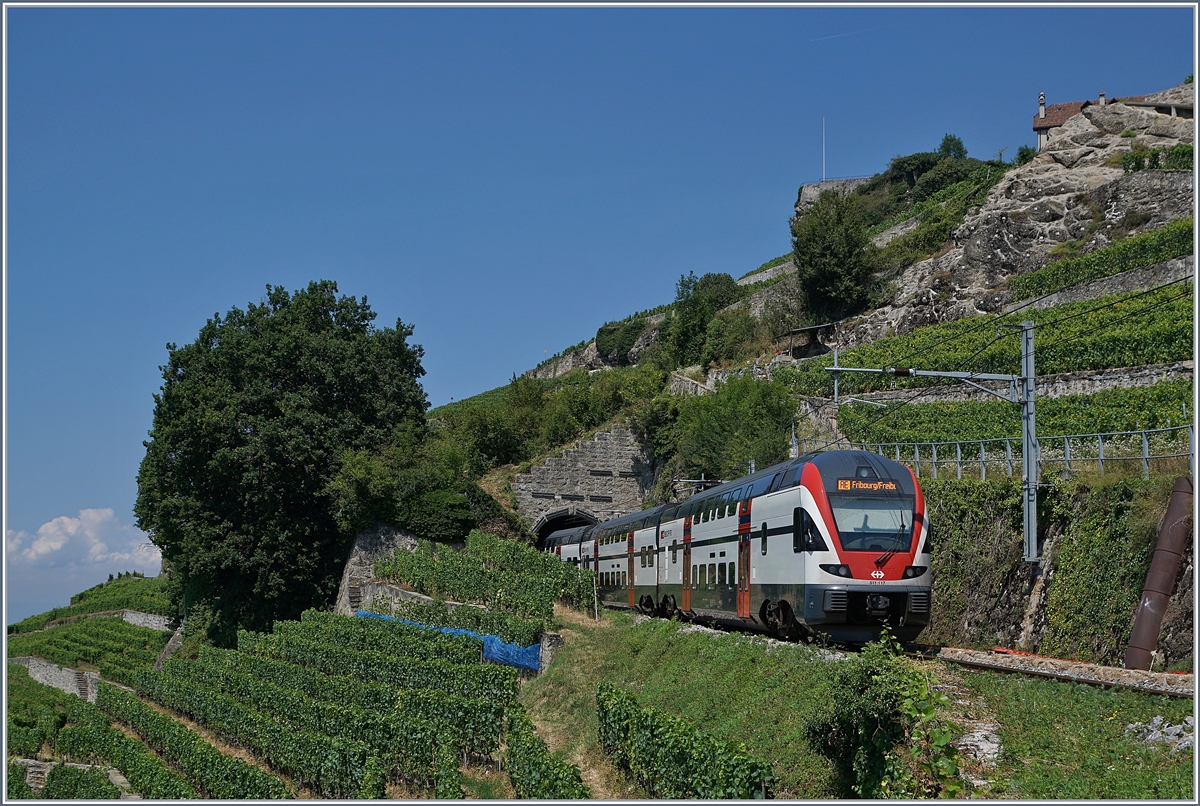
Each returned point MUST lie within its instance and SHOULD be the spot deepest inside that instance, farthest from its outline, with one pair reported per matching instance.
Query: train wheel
(646, 605)
(667, 608)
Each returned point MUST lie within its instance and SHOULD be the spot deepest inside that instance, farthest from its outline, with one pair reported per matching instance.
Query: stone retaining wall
(598, 478)
(67, 680)
(1133, 280)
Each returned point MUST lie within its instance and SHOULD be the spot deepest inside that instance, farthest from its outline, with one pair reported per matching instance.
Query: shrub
(881, 729)
(533, 770)
(72, 783)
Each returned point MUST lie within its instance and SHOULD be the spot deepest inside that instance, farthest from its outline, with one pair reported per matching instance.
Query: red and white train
(833, 543)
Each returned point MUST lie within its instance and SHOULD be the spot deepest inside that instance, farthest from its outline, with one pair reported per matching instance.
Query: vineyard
(1130, 409)
(504, 576)
(1120, 330)
(126, 593)
(328, 706)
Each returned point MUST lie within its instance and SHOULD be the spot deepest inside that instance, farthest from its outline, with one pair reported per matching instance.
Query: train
(832, 544)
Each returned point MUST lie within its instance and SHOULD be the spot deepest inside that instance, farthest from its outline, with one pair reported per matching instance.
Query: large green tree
(252, 424)
(830, 246)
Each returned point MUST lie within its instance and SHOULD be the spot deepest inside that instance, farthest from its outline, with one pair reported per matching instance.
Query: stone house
(1052, 117)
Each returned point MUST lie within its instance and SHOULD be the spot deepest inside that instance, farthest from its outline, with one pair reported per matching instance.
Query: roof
(1058, 114)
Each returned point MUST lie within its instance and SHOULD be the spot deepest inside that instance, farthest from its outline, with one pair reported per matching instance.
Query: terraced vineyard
(329, 706)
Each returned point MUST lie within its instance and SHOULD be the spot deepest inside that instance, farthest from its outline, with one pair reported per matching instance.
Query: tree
(830, 247)
(952, 146)
(251, 427)
(1025, 154)
(697, 300)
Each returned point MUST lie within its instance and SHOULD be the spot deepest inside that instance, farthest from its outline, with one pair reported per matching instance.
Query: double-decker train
(832, 543)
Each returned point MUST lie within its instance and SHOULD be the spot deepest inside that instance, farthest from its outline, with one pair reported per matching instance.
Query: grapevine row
(533, 770)
(670, 757)
(392, 638)
(332, 765)
(481, 682)
(513, 629)
(215, 774)
(471, 724)
(405, 744)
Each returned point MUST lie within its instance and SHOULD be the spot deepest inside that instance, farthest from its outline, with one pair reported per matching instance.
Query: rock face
(1070, 192)
(369, 546)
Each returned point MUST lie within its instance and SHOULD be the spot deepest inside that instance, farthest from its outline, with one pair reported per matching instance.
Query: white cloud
(95, 538)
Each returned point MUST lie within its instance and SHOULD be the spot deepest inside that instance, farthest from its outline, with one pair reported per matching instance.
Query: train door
(743, 560)
(629, 562)
(687, 563)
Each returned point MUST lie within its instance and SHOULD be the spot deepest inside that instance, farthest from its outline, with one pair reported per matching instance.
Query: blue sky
(504, 180)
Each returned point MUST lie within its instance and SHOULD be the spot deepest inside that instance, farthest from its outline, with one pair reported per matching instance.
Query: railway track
(1004, 660)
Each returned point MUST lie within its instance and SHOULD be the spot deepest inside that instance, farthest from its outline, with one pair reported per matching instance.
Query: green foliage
(509, 628)
(732, 337)
(1117, 331)
(250, 428)
(697, 300)
(91, 740)
(94, 641)
(333, 765)
(447, 574)
(1173, 240)
(952, 146)
(72, 783)
(1025, 154)
(1100, 566)
(374, 785)
(447, 783)
(125, 593)
(830, 246)
(882, 731)
(1130, 409)
(613, 341)
(535, 772)
(216, 775)
(17, 789)
(35, 712)
(718, 434)
(670, 757)
(389, 637)
(571, 585)
(1177, 158)
(475, 682)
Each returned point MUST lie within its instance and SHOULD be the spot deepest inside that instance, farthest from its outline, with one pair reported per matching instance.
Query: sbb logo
(877, 574)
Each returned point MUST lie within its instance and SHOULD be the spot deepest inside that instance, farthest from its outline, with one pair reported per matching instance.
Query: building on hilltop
(1052, 117)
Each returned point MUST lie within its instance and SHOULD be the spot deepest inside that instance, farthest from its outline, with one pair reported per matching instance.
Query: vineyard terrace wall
(1078, 603)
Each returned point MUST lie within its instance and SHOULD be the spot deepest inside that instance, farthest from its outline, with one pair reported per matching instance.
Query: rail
(1071, 453)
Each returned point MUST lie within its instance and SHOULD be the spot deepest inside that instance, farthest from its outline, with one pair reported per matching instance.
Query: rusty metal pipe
(1160, 579)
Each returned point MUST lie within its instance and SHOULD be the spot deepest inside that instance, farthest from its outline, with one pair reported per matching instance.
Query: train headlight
(836, 570)
(914, 571)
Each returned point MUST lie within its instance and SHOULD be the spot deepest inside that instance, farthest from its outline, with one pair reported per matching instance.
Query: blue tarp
(525, 657)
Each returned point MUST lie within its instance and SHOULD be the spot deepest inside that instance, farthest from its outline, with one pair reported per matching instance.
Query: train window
(650, 552)
(789, 478)
(805, 534)
(704, 509)
(722, 505)
(733, 573)
(674, 552)
(764, 539)
(624, 580)
(694, 577)
(712, 573)
(720, 573)
(735, 498)
(703, 575)
(642, 557)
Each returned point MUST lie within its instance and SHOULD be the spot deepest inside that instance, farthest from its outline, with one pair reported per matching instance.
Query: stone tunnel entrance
(562, 519)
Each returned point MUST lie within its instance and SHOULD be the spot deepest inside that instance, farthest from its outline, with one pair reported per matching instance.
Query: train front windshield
(873, 523)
